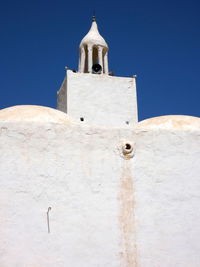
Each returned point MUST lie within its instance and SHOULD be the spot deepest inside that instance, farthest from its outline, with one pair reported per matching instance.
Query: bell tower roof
(93, 37)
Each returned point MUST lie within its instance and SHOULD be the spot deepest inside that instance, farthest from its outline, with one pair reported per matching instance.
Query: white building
(92, 95)
(93, 187)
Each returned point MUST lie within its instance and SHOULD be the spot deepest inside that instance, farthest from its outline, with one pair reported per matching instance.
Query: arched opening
(95, 59)
(86, 59)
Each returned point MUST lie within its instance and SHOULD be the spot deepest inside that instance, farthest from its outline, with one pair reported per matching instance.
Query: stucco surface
(166, 170)
(33, 113)
(62, 97)
(102, 100)
(110, 205)
(175, 122)
(93, 37)
(73, 169)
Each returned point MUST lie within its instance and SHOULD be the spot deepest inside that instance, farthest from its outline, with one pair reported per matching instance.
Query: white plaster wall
(62, 97)
(101, 100)
(107, 209)
(48, 161)
(166, 173)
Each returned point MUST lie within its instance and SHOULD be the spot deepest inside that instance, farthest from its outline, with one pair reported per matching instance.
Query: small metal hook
(48, 225)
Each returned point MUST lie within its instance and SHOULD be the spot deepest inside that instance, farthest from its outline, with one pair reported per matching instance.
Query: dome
(171, 122)
(93, 37)
(33, 113)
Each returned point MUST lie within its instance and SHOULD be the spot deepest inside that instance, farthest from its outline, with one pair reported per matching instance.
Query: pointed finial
(94, 16)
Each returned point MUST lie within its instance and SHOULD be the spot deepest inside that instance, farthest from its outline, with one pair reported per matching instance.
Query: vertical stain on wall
(126, 218)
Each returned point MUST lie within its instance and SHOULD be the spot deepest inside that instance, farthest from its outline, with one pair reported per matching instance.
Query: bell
(96, 69)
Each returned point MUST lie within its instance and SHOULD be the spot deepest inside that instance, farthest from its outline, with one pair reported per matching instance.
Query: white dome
(33, 114)
(93, 37)
(171, 122)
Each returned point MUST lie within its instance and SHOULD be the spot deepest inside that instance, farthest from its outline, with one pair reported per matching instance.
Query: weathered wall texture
(102, 100)
(111, 205)
(166, 171)
(62, 97)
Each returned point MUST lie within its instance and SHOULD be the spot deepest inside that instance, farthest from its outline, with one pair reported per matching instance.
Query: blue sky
(157, 40)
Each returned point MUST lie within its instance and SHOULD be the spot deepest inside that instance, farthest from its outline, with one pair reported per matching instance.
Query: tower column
(82, 61)
(106, 62)
(100, 57)
(90, 58)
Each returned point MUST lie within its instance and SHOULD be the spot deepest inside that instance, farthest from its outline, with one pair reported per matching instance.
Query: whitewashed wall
(48, 161)
(109, 207)
(101, 100)
(166, 173)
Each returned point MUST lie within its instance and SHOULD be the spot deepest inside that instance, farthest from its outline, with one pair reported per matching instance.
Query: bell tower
(93, 52)
(91, 95)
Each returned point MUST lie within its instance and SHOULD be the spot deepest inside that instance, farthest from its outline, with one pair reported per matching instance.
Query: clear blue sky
(157, 40)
